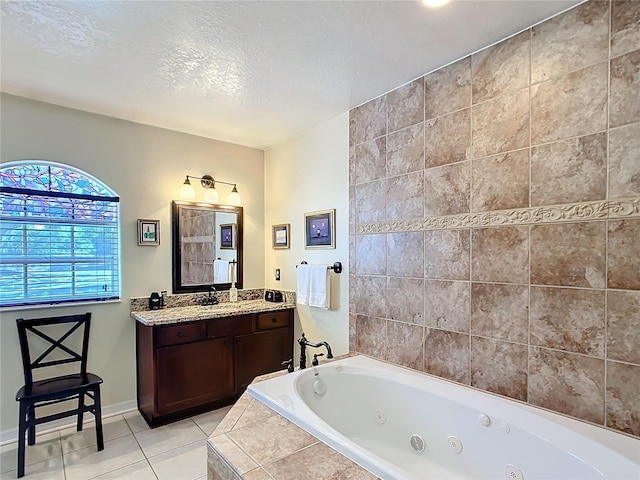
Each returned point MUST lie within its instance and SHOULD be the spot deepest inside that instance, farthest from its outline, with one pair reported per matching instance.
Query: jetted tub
(400, 424)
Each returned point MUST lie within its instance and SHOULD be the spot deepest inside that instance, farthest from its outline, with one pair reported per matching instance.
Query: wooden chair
(35, 394)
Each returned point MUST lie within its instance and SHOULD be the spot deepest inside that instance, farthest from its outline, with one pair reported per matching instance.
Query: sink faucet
(212, 297)
(304, 343)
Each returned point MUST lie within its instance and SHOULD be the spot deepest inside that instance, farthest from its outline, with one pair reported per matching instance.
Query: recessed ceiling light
(435, 3)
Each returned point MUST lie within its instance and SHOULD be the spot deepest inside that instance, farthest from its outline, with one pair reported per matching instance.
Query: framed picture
(280, 235)
(148, 232)
(319, 231)
(228, 236)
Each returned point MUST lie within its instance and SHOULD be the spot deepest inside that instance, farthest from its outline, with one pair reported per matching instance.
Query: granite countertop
(254, 442)
(193, 313)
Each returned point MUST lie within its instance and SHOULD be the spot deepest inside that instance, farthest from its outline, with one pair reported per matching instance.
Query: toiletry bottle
(164, 299)
(233, 293)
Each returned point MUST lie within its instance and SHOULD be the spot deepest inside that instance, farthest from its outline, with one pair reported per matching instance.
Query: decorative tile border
(569, 212)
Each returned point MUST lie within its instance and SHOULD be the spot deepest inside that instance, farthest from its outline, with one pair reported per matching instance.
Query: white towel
(220, 271)
(303, 273)
(313, 286)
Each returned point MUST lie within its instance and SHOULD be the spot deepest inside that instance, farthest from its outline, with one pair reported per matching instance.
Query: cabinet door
(259, 353)
(194, 374)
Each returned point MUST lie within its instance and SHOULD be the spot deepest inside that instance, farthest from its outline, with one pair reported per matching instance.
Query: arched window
(60, 236)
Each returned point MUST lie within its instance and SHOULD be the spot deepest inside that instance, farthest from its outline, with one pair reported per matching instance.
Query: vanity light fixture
(211, 194)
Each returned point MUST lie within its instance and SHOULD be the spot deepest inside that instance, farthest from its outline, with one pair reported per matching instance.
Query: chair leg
(31, 430)
(22, 430)
(97, 412)
(80, 411)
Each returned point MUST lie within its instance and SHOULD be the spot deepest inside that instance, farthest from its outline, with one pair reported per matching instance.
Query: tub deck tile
(317, 462)
(254, 413)
(257, 474)
(233, 454)
(254, 442)
(231, 418)
(272, 439)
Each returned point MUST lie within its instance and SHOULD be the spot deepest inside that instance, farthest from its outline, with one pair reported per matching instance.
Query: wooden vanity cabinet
(192, 367)
(183, 371)
(261, 352)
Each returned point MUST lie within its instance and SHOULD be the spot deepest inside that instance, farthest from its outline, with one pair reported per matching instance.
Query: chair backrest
(34, 325)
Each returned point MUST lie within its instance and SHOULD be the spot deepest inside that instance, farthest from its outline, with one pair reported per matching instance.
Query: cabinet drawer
(273, 320)
(177, 334)
(222, 327)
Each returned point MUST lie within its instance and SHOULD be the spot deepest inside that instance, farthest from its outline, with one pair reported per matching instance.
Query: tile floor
(131, 451)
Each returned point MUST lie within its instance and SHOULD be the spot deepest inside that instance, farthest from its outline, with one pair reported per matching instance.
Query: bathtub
(400, 424)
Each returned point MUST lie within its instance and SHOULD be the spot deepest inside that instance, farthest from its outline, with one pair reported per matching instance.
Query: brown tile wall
(495, 218)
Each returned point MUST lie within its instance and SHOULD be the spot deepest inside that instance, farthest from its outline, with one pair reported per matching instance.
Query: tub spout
(304, 343)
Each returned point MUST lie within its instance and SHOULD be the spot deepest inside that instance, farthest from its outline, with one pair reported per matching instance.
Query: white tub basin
(400, 424)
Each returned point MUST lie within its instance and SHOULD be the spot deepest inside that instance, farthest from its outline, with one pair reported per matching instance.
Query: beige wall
(145, 166)
(304, 174)
(496, 211)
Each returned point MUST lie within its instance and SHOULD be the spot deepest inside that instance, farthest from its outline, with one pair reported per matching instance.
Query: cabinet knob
(274, 320)
(181, 334)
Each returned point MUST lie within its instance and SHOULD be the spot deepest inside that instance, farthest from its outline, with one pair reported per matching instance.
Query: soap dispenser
(233, 293)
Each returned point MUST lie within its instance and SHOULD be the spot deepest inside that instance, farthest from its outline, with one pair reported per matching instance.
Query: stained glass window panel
(51, 177)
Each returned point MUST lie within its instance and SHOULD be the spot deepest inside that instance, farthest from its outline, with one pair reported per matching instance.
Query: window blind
(58, 247)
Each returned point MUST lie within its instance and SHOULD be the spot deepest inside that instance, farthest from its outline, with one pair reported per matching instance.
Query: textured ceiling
(252, 73)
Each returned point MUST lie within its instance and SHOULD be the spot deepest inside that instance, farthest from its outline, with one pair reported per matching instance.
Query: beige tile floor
(131, 451)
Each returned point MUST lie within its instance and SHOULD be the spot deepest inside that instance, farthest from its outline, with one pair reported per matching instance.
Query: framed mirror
(207, 246)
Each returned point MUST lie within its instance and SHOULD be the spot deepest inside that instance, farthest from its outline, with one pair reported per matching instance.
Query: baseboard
(9, 436)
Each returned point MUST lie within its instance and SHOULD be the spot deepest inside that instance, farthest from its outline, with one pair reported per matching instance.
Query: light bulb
(234, 197)
(186, 191)
(211, 195)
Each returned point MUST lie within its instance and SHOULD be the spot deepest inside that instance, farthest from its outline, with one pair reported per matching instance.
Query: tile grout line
(473, 160)
(606, 233)
(529, 228)
(501, 153)
(243, 450)
(64, 466)
(172, 449)
(146, 459)
(424, 243)
(263, 466)
(118, 468)
(200, 428)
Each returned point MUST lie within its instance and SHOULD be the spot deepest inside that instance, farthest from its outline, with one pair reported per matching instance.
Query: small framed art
(228, 236)
(319, 231)
(280, 235)
(148, 232)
